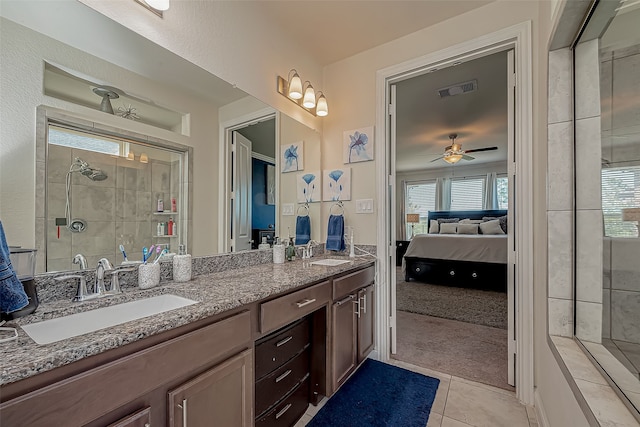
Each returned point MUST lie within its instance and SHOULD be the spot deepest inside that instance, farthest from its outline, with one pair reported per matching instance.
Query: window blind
(420, 198)
(502, 186)
(620, 189)
(467, 194)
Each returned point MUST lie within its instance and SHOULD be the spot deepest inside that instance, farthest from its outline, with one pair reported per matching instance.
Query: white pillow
(491, 227)
(433, 227)
(467, 228)
(449, 228)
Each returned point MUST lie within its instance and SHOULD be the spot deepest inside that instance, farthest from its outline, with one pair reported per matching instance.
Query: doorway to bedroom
(453, 128)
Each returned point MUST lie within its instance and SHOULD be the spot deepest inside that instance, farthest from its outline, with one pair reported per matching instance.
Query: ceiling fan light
(452, 158)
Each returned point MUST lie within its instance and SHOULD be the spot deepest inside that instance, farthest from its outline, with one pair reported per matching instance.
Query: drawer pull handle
(283, 410)
(283, 376)
(307, 301)
(284, 341)
(345, 299)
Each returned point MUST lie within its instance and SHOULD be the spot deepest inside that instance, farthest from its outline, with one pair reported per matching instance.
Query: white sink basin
(331, 262)
(89, 321)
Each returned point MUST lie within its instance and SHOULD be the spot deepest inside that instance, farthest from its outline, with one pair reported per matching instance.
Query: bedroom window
(467, 194)
(502, 188)
(420, 198)
(619, 191)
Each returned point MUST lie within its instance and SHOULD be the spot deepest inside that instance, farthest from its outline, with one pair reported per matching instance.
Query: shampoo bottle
(182, 266)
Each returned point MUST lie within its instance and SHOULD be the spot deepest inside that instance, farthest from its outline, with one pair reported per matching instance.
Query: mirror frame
(45, 115)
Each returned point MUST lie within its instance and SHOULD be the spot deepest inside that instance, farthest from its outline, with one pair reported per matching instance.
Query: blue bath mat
(379, 394)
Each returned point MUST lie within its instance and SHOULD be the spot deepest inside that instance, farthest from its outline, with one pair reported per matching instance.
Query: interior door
(511, 219)
(241, 193)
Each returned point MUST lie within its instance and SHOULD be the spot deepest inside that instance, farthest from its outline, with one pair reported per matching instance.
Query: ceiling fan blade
(476, 150)
(464, 156)
(436, 159)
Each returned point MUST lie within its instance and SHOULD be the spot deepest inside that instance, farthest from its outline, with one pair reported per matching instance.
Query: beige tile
(560, 247)
(480, 407)
(588, 160)
(577, 362)
(614, 368)
(589, 255)
(559, 176)
(560, 317)
(587, 80)
(625, 316)
(450, 422)
(605, 405)
(485, 386)
(531, 414)
(435, 420)
(589, 321)
(560, 91)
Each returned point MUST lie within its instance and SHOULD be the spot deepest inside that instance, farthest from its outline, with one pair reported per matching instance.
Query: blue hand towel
(335, 233)
(303, 230)
(12, 294)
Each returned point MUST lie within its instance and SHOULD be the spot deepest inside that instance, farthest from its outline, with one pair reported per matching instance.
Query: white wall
(230, 39)
(21, 81)
(352, 83)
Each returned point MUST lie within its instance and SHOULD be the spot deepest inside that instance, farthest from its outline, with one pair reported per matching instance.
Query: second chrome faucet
(99, 289)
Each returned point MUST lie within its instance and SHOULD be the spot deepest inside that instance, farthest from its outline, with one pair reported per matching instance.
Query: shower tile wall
(620, 71)
(118, 210)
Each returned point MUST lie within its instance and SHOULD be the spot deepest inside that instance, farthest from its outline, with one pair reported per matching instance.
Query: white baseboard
(540, 412)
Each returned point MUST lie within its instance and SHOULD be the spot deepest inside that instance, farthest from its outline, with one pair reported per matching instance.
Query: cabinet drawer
(277, 384)
(285, 309)
(287, 412)
(273, 352)
(351, 282)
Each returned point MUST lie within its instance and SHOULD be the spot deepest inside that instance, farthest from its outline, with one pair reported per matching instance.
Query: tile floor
(464, 403)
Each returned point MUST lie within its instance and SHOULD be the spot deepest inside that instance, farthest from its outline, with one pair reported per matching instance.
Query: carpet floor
(379, 394)
(476, 306)
(465, 350)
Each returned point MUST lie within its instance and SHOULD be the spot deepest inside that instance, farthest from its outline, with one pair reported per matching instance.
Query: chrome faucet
(103, 266)
(307, 251)
(81, 260)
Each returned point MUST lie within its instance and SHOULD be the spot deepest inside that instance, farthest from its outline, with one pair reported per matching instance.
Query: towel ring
(339, 205)
(305, 206)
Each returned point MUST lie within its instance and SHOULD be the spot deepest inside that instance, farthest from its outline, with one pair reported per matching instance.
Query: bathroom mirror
(607, 139)
(190, 98)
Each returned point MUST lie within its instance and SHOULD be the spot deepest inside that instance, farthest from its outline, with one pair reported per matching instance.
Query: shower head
(86, 170)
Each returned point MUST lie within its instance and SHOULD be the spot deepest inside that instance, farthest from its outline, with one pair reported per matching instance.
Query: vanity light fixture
(131, 156)
(155, 6)
(144, 158)
(302, 94)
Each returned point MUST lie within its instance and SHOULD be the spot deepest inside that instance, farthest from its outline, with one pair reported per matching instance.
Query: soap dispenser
(291, 250)
(182, 266)
(264, 245)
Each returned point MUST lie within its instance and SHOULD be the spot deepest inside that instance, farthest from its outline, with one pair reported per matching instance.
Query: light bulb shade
(322, 109)
(158, 4)
(452, 158)
(309, 100)
(131, 156)
(413, 218)
(295, 86)
(144, 158)
(631, 214)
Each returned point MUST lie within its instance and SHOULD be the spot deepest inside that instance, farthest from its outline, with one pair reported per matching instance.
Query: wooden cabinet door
(344, 349)
(366, 322)
(221, 396)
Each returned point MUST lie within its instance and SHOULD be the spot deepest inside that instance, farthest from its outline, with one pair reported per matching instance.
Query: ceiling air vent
(458, 89)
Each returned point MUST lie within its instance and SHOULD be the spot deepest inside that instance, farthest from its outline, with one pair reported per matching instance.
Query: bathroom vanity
(261, 344)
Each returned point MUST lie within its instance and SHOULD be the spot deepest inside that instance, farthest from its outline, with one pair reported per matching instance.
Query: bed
(465, 260)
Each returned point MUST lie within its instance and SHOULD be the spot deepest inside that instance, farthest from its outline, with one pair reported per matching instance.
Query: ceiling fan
(454, 152)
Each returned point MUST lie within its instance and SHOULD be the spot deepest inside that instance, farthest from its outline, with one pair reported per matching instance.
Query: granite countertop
(215, 293)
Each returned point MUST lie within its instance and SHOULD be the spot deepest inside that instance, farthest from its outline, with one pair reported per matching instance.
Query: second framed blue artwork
(357, 145)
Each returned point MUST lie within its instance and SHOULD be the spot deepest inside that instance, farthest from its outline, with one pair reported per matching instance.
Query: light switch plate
(287, 209)
(364, 206)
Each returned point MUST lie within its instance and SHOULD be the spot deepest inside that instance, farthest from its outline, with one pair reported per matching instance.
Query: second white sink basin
(89, 321)
(331, 262)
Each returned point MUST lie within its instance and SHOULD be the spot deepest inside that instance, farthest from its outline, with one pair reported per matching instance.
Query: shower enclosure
(103, 192)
